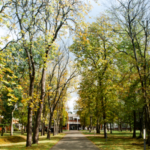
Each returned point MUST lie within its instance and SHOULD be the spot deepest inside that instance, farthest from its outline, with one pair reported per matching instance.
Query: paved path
(74, 140)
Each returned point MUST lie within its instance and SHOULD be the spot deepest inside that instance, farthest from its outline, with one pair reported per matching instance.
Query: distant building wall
(73, 122)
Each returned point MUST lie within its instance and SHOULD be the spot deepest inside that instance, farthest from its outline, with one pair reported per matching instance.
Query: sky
(95, 12)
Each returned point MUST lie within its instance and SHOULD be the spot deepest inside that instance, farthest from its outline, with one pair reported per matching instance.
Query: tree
(131, 15)
(94, 50)
(58, 82)
(56, 22)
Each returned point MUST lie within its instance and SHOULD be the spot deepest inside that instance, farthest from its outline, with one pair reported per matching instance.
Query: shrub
(16, 129)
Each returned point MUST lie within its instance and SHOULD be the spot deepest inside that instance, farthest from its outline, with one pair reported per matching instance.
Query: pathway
(74, 140)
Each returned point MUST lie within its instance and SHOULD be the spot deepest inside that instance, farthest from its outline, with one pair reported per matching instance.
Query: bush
(16, 129)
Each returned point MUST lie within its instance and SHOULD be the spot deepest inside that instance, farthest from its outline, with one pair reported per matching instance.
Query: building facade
(73, 122)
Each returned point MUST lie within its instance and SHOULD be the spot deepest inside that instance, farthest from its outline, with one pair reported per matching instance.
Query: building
(73, 122)
(8, 128)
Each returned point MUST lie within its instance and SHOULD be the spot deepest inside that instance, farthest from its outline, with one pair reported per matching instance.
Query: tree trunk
(90, 128)
(91, 124)
(104, 117)
(134, 129)
(97, 126)
(110, 129)
(43, 129)
(49, 127)
(60, 126)
(2, 131)
(84, 123)
(107, 127)
(11, 125)
(25, 129)
(57, 128)
(121, 126)
(83, 127)
(54, 129)
(148, 126)
(148, 139)
(30, 112)
(5, 129)
(36, 127)
(29, 127)
(43, 122)
(130, 127)
(39, 112)
(22, 130)
(105, 133)
(141, 127)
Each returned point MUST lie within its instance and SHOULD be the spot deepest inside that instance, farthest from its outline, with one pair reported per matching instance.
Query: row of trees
(35, 71)
(113, 56)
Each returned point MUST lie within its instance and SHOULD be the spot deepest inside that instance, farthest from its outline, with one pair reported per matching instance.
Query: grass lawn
(117, 141)
(18, 142)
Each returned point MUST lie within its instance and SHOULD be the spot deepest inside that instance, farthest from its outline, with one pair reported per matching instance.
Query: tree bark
(49, 127)
(5, 129)
(141, 127)
(11, 125)
(134, 129)
(54, 129)
(30, 112)
(90, 124)
(110, 129)
(148, 125)
(39, 112)
(121, 126)
(130, 127)
(29, 127)
(43, 129)
(60, 126)
(148, 139)
(105, 133)
(104, 117)
(97, 126)
(22, 130)
(25, 129)
(2, 131)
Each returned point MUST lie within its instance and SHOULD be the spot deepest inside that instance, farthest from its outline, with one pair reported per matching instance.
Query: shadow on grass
(44, 144)
(117, 143)
(12, 139)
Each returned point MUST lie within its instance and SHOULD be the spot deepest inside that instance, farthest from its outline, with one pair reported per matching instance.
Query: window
(70, 118)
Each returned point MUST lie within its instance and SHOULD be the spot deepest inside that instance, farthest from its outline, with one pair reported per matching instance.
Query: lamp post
(144, 137)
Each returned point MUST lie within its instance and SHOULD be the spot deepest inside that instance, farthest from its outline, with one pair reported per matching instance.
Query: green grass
(116, 141)
(18, 142)
(14, 133)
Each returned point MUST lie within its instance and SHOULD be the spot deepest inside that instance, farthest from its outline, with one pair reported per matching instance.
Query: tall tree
(132, 15)
(94, 50)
